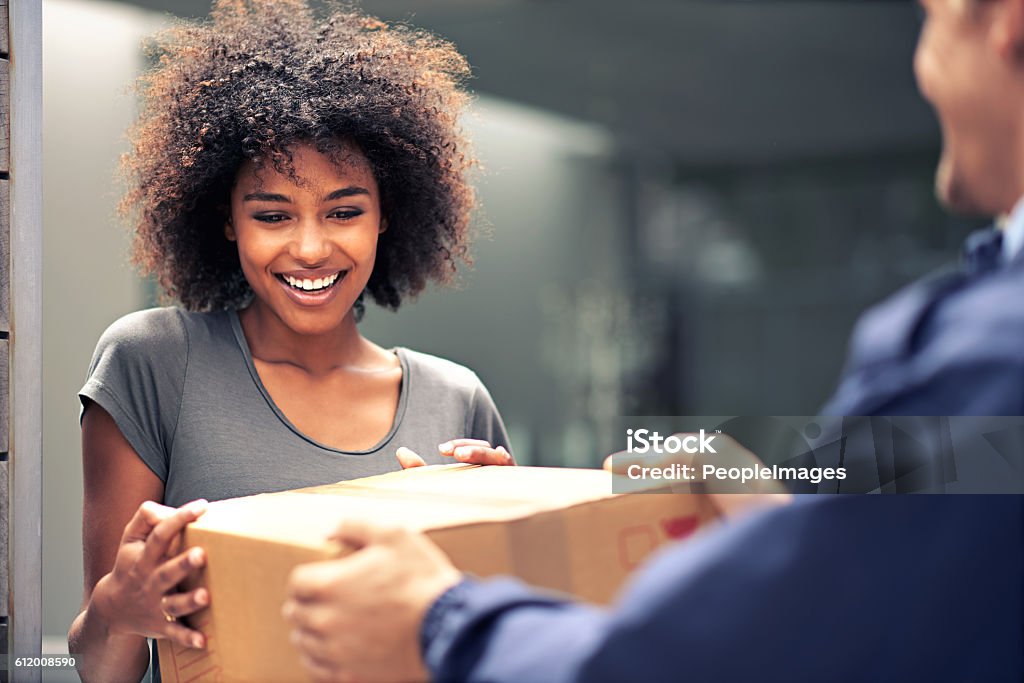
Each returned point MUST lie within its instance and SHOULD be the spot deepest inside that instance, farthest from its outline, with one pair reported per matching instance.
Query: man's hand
(358, 618)
(729, 498)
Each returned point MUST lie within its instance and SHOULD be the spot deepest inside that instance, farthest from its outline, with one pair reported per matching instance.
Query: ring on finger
(163, 608)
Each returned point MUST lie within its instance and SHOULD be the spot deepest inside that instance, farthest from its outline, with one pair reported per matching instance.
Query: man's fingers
(407, 458)
(310, 642)
(310, 582)
(173, 571)
(183, 604)
(311, 617)
(162, 535)
(322, 671)
(358, 533)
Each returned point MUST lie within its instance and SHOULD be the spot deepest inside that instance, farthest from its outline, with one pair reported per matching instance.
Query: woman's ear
(229, 230)
(383, 226)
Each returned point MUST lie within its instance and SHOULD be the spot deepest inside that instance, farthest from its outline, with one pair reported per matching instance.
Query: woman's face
(307, 248)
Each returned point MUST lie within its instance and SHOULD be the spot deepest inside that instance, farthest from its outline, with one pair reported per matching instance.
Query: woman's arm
(126, 545)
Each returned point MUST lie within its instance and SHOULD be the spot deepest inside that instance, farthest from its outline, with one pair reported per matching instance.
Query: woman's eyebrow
(266, 197)
(346, 192)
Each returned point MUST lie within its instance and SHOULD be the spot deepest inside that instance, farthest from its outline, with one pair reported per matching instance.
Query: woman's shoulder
(435, 372)
(162, 333)
(153, 329)
(163, 324)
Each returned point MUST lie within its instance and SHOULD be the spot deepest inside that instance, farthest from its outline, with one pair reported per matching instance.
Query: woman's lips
(316, 295)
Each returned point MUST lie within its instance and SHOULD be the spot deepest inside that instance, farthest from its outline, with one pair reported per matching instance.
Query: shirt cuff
(441, 621)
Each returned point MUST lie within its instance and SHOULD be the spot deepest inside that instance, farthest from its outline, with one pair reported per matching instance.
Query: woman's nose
(310, 245)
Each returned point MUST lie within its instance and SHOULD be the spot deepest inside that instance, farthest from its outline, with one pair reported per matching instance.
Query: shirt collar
(1013, 231)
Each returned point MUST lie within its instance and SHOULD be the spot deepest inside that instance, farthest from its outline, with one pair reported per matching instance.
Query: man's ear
(229, 230)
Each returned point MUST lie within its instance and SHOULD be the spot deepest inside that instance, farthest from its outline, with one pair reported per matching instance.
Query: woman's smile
(309, 289)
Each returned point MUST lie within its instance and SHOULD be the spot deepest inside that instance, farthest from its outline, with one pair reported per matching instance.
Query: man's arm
(922, 588)
(841, 587)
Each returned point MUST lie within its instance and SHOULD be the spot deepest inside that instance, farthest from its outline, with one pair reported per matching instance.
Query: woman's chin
(316, 323)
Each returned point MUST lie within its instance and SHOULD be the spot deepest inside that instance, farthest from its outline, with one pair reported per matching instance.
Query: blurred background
(688, 205)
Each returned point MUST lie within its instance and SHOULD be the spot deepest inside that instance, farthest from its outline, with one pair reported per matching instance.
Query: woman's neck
(271, 341)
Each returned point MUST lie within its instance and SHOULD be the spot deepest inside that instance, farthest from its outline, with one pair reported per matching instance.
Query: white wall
(90, 56)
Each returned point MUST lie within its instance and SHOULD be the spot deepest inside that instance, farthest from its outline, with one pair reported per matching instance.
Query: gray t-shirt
(184, 391)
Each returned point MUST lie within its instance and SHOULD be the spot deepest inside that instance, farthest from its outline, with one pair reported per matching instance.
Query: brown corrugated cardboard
(558, 528)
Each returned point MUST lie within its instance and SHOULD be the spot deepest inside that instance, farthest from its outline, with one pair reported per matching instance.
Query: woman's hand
(139, 596)
(472, 451)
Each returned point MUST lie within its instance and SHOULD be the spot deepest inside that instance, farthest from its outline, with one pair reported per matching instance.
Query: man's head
(970, 66)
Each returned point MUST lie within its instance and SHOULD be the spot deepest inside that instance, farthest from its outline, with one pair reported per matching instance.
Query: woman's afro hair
(261, 76)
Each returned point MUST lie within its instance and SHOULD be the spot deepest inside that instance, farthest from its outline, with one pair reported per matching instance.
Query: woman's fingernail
(202, 597)
(197, 641)
(195, 556)
(446, 446)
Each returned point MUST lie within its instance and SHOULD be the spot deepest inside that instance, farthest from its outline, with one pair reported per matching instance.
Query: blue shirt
(925, 588)
(844, 588)
(1013, 232)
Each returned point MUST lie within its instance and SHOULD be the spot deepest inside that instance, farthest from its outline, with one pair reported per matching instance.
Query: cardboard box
(562, 529)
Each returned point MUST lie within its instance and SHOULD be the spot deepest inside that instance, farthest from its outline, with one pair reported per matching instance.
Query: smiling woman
(284, 166)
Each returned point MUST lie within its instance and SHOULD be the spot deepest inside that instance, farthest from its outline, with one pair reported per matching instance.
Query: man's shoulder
(944, 312)
(985, 318)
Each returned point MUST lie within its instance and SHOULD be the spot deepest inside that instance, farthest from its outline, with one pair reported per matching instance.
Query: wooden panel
(5, 255)
(4, 497)
(3, 647)
(5, 114)
(3, 28)
(24, 520)
(5, 394)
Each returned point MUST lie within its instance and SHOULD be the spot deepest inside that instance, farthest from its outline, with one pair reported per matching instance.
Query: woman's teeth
(311, 285)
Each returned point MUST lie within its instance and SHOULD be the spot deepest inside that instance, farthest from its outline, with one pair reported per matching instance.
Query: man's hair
(261, 76)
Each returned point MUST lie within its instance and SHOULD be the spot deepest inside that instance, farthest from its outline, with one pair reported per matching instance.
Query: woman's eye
(345, 214)
(270, 217)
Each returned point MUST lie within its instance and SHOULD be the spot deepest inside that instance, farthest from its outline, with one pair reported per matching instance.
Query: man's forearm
(501, 630)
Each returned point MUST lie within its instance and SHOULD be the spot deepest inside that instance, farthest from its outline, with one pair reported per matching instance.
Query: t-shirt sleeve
(137, 375)
(484, 420)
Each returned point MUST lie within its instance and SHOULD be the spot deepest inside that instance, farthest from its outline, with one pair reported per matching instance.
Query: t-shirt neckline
(403, 393)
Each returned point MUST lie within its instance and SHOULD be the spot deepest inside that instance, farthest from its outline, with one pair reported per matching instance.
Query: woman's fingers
(472, 451)
(173, 571)
(407, 458)
(146, 517)
(183, 635)
(482, 455)
(180, 605)
(160, 538)
(448, 447)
